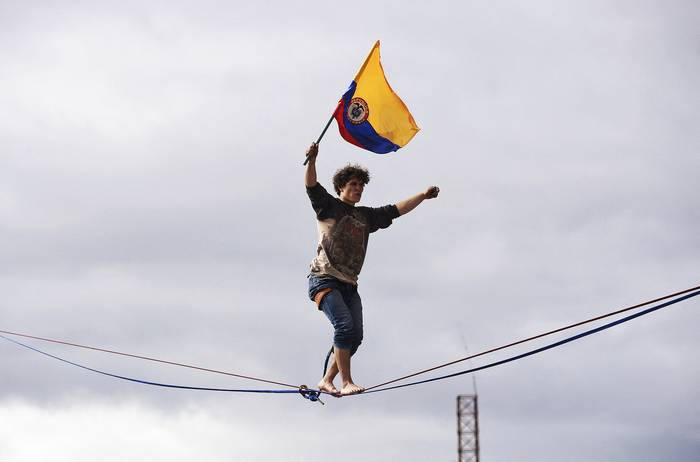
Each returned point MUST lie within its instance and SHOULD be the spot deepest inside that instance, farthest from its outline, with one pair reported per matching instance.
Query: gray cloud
(151, 202)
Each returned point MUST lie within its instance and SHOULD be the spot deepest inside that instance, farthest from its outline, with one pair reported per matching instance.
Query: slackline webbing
(141, 381)
(539, 350)
(313, 395)
(535, 337)
(146, 358)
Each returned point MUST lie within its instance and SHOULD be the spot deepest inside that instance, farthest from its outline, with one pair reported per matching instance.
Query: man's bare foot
(328, 387)
(351, 389)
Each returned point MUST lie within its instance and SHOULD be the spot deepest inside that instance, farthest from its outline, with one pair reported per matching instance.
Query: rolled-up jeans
(343, 308)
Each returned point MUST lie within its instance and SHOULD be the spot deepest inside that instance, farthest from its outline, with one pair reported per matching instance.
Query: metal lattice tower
(467, 428)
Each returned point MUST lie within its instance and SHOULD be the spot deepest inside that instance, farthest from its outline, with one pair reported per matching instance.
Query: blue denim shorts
(343, 308)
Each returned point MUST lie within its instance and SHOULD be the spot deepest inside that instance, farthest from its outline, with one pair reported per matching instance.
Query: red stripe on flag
(338, 115)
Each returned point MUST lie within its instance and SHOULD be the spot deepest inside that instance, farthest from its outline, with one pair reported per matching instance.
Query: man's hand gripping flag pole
(319, 138)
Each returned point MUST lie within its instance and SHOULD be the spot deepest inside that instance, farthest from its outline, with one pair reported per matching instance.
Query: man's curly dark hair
(342, 176)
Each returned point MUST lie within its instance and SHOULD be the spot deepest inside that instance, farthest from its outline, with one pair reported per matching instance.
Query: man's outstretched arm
(411, 203)
(310, 175)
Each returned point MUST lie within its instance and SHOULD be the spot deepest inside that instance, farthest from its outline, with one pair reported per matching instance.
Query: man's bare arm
(310, 174)
(411, 203)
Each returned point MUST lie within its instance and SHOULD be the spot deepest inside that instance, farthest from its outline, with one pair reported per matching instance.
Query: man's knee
(355, 346)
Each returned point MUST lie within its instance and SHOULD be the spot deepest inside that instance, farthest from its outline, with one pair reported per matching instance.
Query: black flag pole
(322, 133)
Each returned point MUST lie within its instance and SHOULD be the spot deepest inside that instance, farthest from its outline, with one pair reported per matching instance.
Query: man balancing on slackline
(344, 230)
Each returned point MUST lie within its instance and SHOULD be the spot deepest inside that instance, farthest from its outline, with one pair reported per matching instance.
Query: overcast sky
(152, 202)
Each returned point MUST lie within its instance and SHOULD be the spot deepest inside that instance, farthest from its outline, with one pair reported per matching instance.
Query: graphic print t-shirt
(343, 233)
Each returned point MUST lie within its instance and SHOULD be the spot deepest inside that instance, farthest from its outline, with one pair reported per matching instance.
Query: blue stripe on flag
(364, 133)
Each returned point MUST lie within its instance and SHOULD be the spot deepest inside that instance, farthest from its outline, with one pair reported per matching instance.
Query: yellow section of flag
(388, 115)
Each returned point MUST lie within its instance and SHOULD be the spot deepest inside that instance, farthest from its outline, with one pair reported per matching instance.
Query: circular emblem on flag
(358, 111)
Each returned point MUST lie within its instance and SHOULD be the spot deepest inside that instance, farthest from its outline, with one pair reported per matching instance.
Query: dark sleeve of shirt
(381, 217)
(321, 201)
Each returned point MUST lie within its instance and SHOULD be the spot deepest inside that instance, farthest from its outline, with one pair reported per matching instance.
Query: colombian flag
(370, 115)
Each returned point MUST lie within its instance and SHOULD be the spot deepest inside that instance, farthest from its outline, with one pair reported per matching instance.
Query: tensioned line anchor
(311, 395)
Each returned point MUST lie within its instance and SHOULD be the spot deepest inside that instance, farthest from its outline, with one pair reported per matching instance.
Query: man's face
(351, 193)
